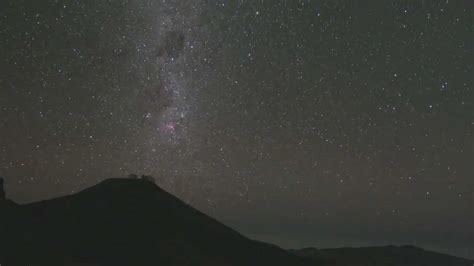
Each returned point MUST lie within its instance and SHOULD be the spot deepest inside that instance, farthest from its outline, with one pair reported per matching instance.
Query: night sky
(301, 123)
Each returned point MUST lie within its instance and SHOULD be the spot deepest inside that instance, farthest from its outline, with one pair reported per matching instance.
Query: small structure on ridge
(148, 178)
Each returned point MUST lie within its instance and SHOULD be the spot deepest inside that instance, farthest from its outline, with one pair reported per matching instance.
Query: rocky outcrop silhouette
(2, 189)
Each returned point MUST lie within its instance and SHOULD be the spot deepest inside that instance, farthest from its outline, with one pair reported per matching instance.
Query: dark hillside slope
(127, 222)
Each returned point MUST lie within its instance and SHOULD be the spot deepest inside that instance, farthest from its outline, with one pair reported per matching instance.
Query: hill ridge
(124, 221)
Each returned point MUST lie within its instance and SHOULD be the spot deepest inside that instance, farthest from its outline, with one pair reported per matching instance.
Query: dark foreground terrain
(123, 222)
(386, 256)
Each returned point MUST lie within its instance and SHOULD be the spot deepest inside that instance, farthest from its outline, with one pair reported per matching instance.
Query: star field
(331, 123)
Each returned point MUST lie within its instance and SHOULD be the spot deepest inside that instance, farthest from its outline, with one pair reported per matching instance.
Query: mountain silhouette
(125, 222)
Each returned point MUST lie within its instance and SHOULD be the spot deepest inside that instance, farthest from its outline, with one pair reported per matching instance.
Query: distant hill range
(133, 222)
(381, 256)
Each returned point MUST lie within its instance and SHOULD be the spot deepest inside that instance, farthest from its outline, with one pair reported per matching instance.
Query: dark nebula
(173, 45)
